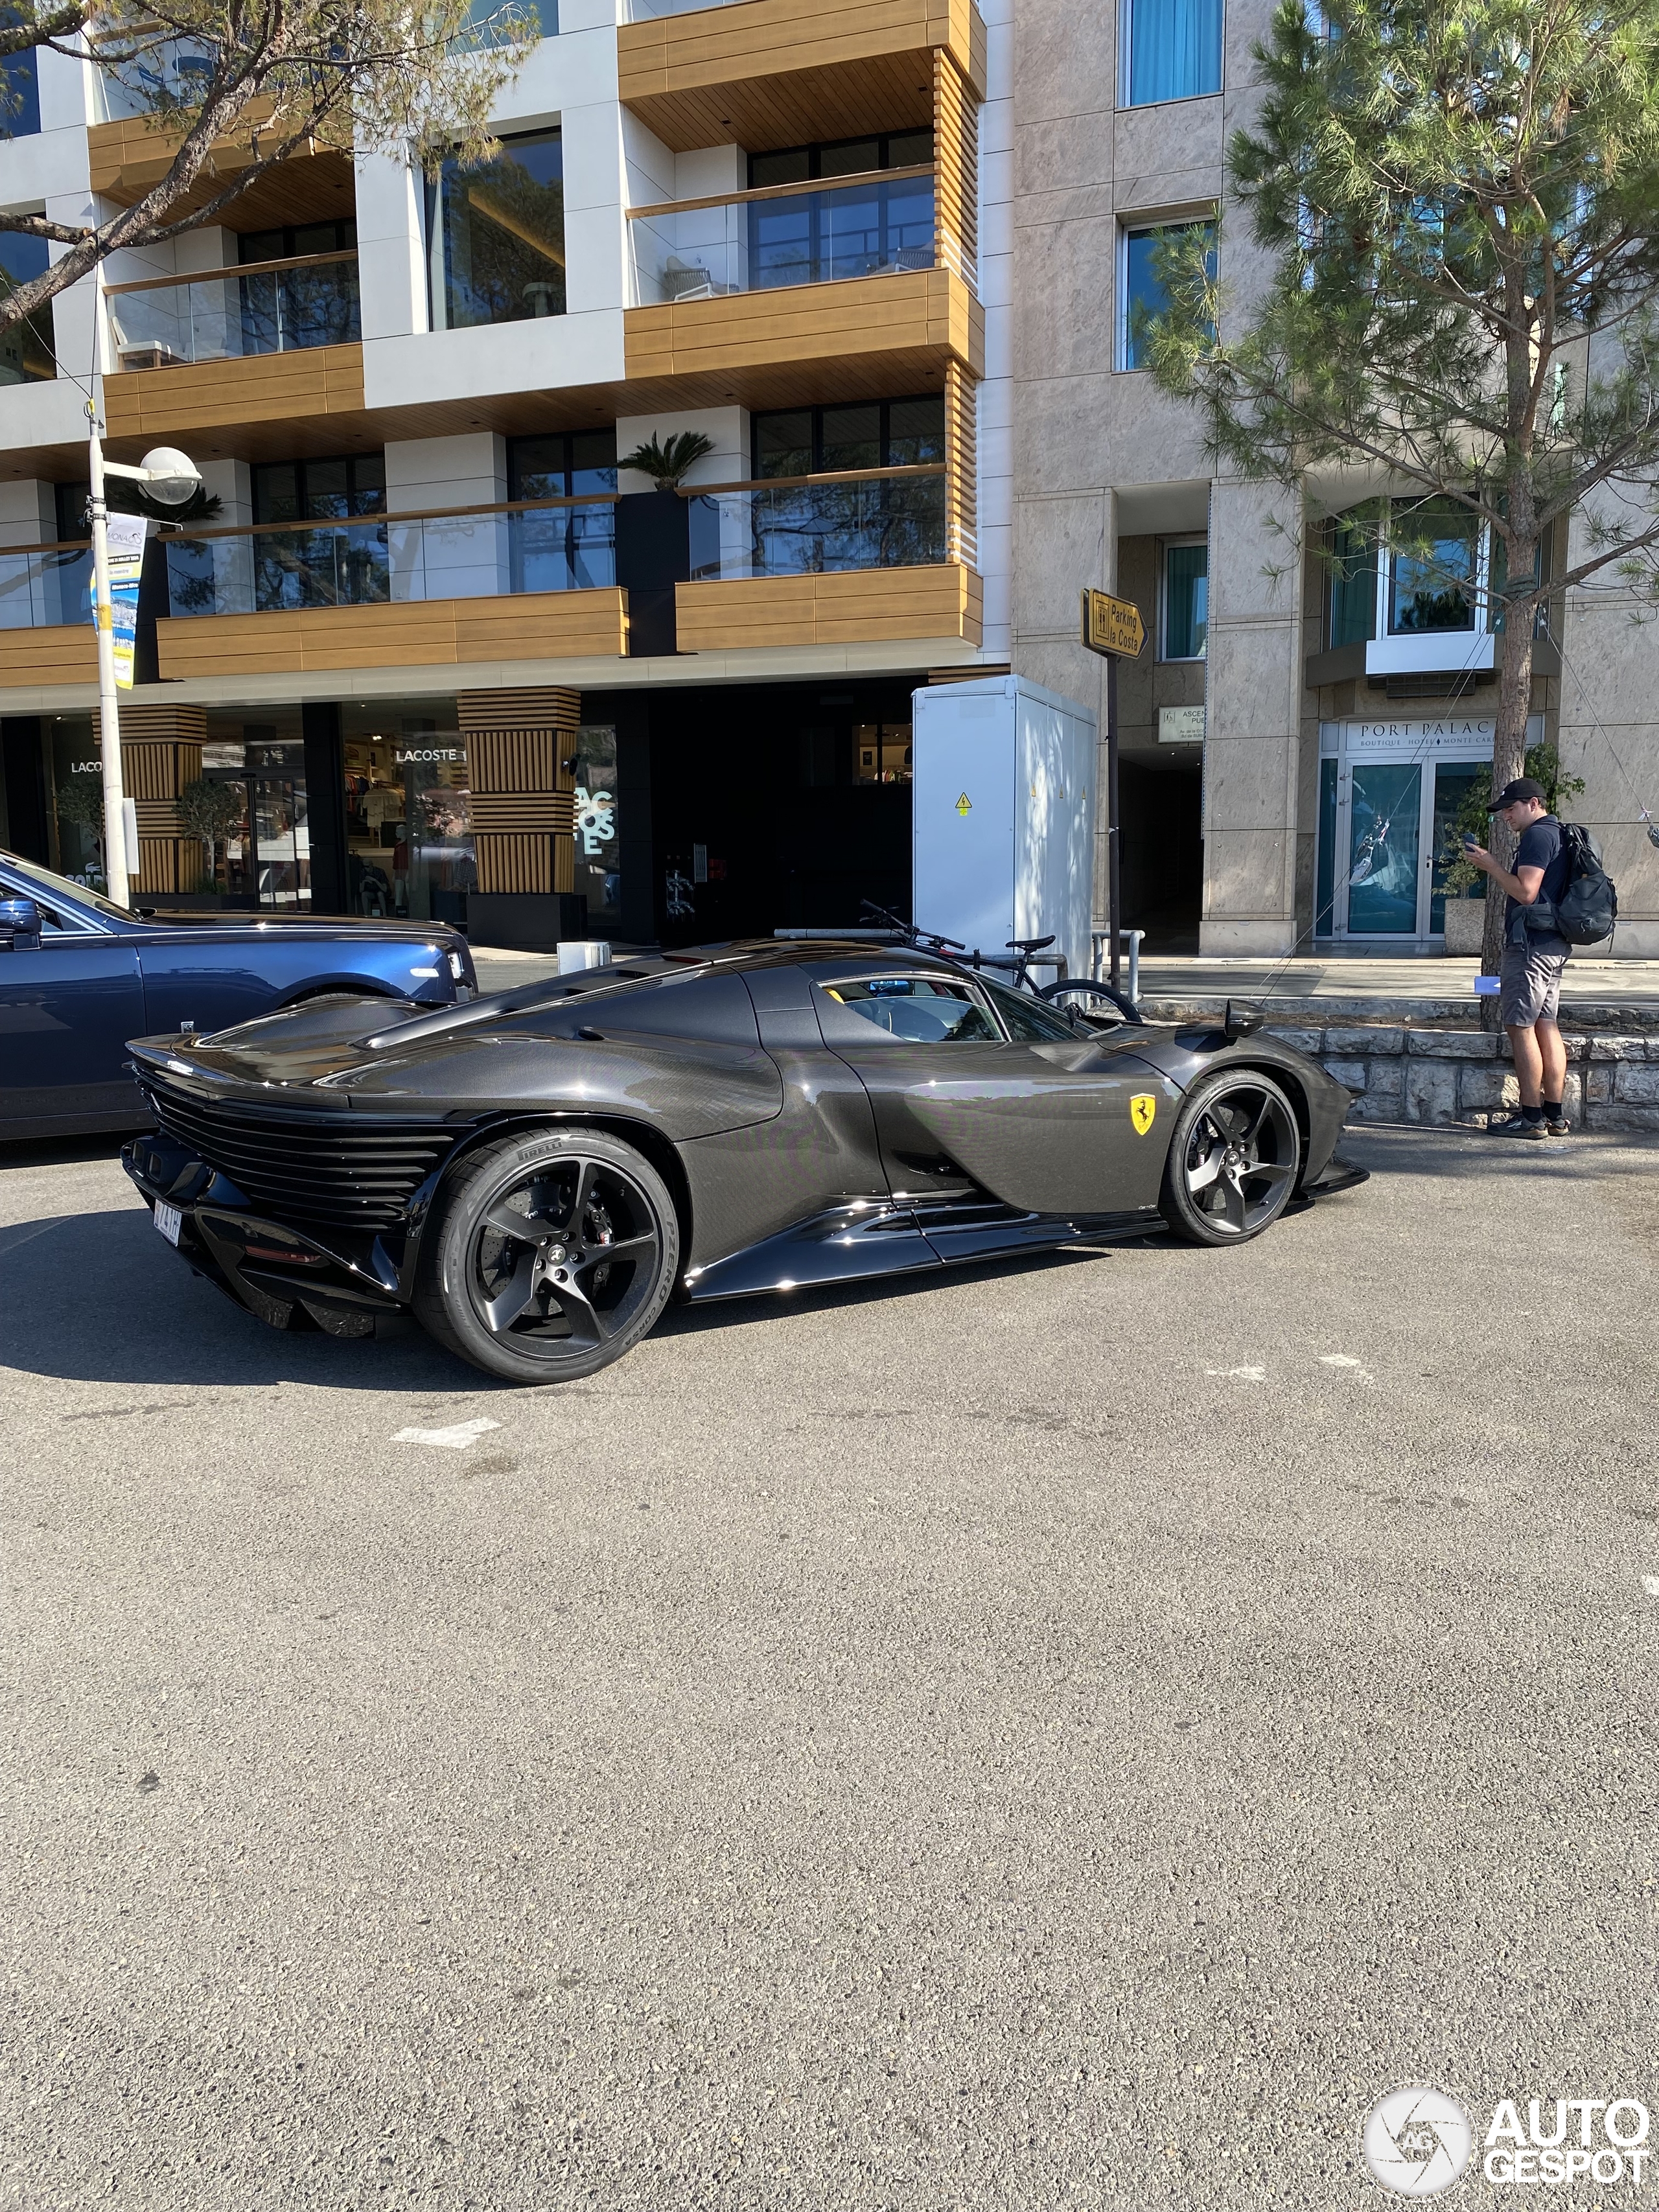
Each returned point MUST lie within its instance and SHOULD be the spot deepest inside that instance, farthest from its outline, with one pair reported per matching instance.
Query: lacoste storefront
(1389, 795)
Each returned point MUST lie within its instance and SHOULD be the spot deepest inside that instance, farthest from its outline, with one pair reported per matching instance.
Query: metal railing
(817, 525)
(880, 222)
(228, 314)
(449, 553)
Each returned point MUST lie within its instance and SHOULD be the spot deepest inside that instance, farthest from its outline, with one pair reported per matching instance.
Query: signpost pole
(1113, 628)
(1115, 841)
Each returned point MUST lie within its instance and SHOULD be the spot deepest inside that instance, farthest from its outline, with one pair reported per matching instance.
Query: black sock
(1553, 1107)
(1532, 1113)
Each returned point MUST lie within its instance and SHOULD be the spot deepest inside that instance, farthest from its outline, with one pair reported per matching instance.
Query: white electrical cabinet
(1003, 814)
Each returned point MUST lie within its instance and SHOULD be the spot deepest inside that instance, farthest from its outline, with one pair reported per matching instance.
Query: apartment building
(1306, 718)
(436, 652)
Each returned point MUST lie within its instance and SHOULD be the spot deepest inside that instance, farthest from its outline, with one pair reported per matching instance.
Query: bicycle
(1079, 996)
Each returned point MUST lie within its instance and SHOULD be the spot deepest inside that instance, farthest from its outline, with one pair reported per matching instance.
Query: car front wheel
(1234, 1159)
(549, 1255)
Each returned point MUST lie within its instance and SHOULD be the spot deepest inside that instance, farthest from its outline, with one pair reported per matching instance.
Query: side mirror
(1240, 1021)
(20, 925)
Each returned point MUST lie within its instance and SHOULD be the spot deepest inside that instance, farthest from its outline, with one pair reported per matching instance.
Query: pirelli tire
(1234, 1159)
(549, 1255)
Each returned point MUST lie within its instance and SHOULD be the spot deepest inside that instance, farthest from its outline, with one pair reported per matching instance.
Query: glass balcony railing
(878, 224)
(814, 526)
(44, 586)
(557, 545)
(226, 314)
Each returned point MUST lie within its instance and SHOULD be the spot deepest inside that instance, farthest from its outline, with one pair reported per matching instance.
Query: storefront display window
(409, 826)
(599, 869)
(77, 783)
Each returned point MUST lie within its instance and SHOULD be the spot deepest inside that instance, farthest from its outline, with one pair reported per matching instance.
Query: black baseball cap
(1518, 788)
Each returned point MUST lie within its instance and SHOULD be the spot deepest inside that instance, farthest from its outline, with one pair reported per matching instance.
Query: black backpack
(1588, 905)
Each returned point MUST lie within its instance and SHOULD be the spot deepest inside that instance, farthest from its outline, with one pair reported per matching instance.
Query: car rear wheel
(1234, 1159)
(548, 1255)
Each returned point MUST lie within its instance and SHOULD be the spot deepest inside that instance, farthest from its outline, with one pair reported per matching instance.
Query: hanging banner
(127, 533)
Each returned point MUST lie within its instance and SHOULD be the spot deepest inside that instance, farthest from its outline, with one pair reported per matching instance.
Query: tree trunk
(1508, 761)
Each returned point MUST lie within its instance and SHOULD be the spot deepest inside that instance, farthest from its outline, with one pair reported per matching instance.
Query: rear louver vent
(343, 1170)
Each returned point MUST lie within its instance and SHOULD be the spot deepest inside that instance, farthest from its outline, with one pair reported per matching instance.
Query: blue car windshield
(59, 887)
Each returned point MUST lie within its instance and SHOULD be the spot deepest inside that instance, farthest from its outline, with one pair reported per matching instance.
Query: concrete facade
(1108, 471)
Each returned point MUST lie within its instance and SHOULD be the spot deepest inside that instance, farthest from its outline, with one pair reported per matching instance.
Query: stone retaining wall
(1402, 1074)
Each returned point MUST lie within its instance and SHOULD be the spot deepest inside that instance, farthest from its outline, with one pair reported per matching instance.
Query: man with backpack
(1529, 988)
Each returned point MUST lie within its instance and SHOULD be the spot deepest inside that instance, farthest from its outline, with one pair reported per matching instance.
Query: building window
(858, 230)
(1172, 50)
(1142, 292)
(1351, 609)
(1432, 583)
(886, 434)
(20, 89)
(284, 309)
(496, 233)
(26, 352)
(322, 567)
(1186, 599)
(561, 549)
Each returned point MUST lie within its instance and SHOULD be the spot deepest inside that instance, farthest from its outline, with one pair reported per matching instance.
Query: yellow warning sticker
(1142, 1108)
(964, 804)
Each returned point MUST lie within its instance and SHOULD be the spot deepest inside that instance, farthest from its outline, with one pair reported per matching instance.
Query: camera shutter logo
(1417, 2141)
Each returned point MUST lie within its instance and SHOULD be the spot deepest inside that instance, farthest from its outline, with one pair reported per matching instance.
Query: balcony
(879, 224)
(832, 559)
(784, 72)
(522, 581)
(219, 315)
(825, 525)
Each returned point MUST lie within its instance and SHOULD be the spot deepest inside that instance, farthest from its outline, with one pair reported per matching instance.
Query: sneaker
(1557, 1124)
(1517, 1124)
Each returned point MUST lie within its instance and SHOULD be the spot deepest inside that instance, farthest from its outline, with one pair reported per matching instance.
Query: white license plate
(169, 1221)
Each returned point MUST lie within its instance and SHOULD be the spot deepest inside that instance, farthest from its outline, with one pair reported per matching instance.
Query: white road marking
(1650, 1585)
(1245, 1374)
(455, 1439)
(40, 1229)
(1345, 1359)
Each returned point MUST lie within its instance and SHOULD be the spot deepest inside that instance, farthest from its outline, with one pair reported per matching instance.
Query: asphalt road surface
(1068, 1735)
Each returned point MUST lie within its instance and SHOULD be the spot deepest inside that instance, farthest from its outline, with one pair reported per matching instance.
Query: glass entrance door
(1385, 809)
(1386, 842)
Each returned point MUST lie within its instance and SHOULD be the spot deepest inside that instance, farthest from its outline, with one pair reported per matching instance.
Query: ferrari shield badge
(1142, 1107)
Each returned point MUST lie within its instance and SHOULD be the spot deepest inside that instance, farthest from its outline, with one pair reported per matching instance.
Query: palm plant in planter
(667, 463)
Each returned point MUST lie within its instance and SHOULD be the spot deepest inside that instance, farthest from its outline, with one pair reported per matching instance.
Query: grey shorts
(1529, 985)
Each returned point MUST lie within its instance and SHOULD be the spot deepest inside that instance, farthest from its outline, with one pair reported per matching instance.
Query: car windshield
(59, 887)
(920, 1009)
(1030, 1021)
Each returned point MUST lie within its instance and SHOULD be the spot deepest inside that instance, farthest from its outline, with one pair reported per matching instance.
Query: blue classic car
(79, 977)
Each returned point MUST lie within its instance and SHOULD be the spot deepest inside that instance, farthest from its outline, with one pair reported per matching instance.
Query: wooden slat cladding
(553, 707)
(65, 654)
(955, 156)
(526, 862)
(962, 466)
(161, 753)
(776, 72)
(908, 311)
(522, 798)
(856, 607)
(159, 403)
(404, 634)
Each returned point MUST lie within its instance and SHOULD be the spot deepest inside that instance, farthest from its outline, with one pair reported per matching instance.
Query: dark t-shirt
(1540, 847)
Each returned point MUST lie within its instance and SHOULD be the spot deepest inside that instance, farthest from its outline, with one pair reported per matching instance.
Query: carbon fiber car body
(801, 1143)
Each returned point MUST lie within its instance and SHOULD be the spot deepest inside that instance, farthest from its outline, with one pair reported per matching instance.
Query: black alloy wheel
(549, 1255)
(1234, 1159)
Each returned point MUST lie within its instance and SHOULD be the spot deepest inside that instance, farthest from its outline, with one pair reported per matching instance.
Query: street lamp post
(171, 477)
